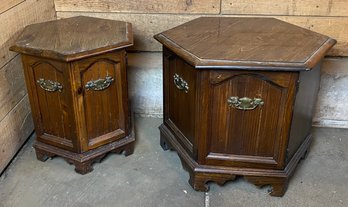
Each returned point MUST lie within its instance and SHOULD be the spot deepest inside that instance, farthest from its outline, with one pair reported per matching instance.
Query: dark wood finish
(83, 161)
(308, 87)
(75, 122)
(182, 104)
(248, 143)
(74, 38)
(216, 141)
(257, 43)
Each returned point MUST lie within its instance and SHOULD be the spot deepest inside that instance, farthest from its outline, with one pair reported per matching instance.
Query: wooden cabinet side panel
(50, 109)
(51, 103)
(105, 115)
(100, 101)
(181, 108)
(249, 138)
(243, 130)
(301, 125)
(180, 105)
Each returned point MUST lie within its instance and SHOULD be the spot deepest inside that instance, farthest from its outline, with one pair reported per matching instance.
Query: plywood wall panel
(12, 86)
(286, 7)
(335, 27)
(15, 118)
(15, 19)
(8, 4)
(15, 128)
(140, 6)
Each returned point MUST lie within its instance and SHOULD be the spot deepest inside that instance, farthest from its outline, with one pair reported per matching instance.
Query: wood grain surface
(15, 128)
(286, 7)
(147, 25)
(105, 112)
(78, 122)
(252, 42)
(15, 116)
(15, 19)
(8, 4)
(74, 38)
(144, 25)
(230, 64)
(256, 134)
(182, 104)
(223, 141)
(49, 109)
(12, 86)
(140, 6)
(306, 98)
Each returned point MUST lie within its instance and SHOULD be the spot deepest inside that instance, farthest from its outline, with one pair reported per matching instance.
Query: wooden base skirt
(83, 161)
(200, 175)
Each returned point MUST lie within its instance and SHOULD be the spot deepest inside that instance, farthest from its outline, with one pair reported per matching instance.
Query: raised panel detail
(254, 135)
(181, 101)
(75, 72)
(53, 117)
(103, 106)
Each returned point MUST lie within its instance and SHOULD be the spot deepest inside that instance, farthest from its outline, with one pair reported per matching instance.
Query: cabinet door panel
(181, 100)
(241, 137)
(49, 104)
(103, 105)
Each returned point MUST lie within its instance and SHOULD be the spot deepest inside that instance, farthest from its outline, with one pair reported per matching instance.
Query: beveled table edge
(50, 54)
(200, 63)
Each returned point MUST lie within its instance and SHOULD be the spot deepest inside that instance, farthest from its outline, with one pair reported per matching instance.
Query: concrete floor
(151, 177)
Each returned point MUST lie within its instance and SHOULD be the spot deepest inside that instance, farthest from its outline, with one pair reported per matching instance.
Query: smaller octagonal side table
(75, 72)
(239, 96)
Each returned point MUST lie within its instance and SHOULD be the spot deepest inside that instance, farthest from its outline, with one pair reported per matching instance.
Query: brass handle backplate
(180, 83)
(100, 84)
(244, 103)
(49, 85)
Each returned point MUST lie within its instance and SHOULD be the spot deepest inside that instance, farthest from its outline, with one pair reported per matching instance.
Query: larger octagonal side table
(75, 71)
(239, 95)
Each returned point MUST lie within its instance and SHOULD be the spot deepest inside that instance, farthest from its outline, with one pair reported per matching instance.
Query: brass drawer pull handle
(180, 83)
(99, 84)
(49, 85)
(244, 103)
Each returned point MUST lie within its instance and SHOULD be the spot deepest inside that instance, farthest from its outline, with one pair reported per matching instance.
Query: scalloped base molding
(200, 175)
(83, 161)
